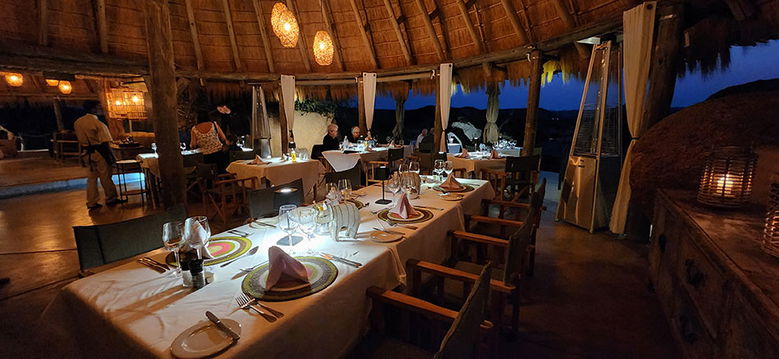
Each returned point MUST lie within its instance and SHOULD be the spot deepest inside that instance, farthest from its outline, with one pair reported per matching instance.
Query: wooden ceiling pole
(666, 56)
(570, 24)
(302, 39)
(231, 32)
(469, 25)
(533, 96)
(328, 17)
(364, 33)
(102, 26)
(43, 22)
(396, 27)
(263, 34)
(195, 37)
(514, 20)
(431, 30)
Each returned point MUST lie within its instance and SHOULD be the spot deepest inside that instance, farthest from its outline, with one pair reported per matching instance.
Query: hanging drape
(638, 25)
(288, 97)
(491, 128)
(369, 96)
(444, 99)
(400, 115)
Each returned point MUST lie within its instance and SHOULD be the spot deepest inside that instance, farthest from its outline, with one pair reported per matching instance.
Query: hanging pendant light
(65, 87)
(52, 82)
(284, 25)
(323, 48)
(14, 79)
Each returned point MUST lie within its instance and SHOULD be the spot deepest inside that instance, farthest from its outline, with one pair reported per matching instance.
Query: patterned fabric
(208, 142)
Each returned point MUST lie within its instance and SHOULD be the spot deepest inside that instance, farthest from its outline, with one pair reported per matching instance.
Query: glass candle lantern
(771, 232)
(727, 177)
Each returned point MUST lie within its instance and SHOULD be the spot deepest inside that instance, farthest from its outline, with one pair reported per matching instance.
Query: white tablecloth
(476, 164)
(132, 311)
(151, 161)
(341, 161)
(278, 172)
(513, 151)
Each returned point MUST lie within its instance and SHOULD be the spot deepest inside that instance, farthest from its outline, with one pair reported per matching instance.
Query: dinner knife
(344, 260)
(151, 266)
(163, 265)
(214, 319)
(388, 231)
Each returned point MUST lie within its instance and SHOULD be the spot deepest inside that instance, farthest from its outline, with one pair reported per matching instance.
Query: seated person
(330, 141)
(231, 141)
(354, 136)
(426, 145)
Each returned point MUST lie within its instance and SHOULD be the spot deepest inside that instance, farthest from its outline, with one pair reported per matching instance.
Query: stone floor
(588, 298)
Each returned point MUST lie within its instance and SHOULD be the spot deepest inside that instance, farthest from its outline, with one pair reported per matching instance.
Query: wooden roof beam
(431, 30)
(102, 26)
(364, 33)
(43, 22)
(231, 33)
(193, 33)
(514, 20)
(328, 17)
(302, 39)
(396, 28)
(469, 25)
(570, 24)
(32, 58)
(263, 34)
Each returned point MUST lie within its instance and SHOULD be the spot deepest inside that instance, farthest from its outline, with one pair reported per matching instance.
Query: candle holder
(727, 177)
(771, 232)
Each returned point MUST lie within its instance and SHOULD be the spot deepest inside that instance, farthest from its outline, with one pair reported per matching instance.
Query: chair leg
(531, 259)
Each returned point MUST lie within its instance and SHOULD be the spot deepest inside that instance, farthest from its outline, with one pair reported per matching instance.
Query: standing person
(330, 141)
(95, 139)
(208, 137)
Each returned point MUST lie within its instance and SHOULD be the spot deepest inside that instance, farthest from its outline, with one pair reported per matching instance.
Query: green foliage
(322, 107)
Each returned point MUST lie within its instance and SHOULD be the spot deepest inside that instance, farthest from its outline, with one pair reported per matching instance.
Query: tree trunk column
(163, 93)
(534, 94)
(665, 58)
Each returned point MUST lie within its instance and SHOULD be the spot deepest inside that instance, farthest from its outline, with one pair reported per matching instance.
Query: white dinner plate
(203, 339)
(384, 237)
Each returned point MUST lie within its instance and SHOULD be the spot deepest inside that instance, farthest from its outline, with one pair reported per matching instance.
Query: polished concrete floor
(588, 298)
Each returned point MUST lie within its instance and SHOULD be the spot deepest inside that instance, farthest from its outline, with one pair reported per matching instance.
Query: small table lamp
(727, 177)
(382, 174)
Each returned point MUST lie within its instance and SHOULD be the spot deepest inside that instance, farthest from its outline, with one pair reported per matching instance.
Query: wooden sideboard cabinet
(718, 290)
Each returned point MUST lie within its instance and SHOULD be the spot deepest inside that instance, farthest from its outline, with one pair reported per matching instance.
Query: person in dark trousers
(232, 143)
(208, 137)
(95, 139)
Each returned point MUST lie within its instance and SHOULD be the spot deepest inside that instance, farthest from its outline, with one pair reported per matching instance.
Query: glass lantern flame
(126, 103)
(14, 79)
(727, 177)
(52, 82)
(771, 232)
(65, 87)
(323, 48)
(284, 25)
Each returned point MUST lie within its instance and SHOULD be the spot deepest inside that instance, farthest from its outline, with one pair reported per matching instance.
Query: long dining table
(132, 311)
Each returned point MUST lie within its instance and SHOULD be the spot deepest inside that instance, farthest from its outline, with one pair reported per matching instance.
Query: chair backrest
(354, 175)
(462, 338)
(265, 202)
(517, 249)
(107, 243)
(295, 197)
(425, 146)
(241, 155)
(192, 159)
(265, 151)
(316, 151)
(394, 154)
(523, 164)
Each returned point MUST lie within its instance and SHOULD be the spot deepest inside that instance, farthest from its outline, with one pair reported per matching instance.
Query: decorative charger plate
(423, 215)
(223, 249)
(321, 273)
(466, 188)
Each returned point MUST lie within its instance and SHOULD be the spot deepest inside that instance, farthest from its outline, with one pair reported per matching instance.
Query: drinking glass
(183, 146)
(448, 168)
(438, 168)
(345, 185)
(333, 195)
(393, 184)
(197, 241)
(306, 220)
(172, 235)
(154, 147)
(403, 167)
(324, 217)
(413, 166)
(287, 223)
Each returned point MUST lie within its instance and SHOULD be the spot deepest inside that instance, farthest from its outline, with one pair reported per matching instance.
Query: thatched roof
(467, 33)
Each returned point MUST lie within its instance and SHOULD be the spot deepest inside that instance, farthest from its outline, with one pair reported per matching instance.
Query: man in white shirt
(421, 137)
(95, 139)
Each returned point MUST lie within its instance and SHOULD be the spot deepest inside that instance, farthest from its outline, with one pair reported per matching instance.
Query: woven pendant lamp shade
(284, 25)
(14, 80)
(727, 178)
(65, 87)
(771, 232)
(323, 48)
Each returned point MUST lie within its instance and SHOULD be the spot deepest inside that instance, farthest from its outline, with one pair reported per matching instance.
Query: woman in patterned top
(208, 137)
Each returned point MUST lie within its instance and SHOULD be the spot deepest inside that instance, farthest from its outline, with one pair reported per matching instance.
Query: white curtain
(638, 27)
(369, 96)
(491, 132)
(444, 99)
(288, 97)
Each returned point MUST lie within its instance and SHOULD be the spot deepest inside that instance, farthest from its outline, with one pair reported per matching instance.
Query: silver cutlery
(214, 319)
(388, 231)
(262, 224)
(163, 265)
(152, 266)
(249, 253)
(239, 233)
(244, 303)
(253, 300)
(341, 260)
(246, 270)
(433, 208)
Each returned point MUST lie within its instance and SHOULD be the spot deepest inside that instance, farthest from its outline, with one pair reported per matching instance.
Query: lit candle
(725, 186)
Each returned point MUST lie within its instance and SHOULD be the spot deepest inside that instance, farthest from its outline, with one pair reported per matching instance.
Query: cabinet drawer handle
(687, 329)
(694, 275)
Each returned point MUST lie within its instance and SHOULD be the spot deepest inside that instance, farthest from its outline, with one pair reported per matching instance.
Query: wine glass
(438, 168)
(403, 167)
(306, 220)
(324, 217)
(287, 223)
(413, 166)
(448, 168)
(172, 235)
(393, 184)
(345, 185)
(197, 233)
(333, 195)
(183, 146)
(154, 147)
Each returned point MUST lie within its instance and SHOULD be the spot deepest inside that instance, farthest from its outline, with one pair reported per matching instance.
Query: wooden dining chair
(463, 339)
(460, 172)
(241, 155)
(517, 178)
(353, 175)
(102, 244)
(370, 174)
(229, 196)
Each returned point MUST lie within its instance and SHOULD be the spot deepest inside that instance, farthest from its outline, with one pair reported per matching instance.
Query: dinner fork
(251, 300)
(243, 303)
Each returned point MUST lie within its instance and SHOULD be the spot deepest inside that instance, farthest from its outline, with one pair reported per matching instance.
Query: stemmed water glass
(448, 167)
(287, 223)
(197, 233)
(345, 185)
(333, 194)
(403, 167)
(306, 220)
(183, 146)
(324, 216)
(172, 235)
(413, 166)
(438, 168)
(393, 184)
(407, 183)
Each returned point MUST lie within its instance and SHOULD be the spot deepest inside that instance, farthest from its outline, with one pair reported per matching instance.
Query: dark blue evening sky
(747, 64)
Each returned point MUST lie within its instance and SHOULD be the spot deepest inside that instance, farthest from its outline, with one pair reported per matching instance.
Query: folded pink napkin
(197, 234)
(463, 154)
(403, 208)
(257, 160)
(494, 155)
(451, 183)
(283, 266)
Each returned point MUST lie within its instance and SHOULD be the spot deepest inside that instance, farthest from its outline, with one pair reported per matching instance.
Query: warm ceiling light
(65, 87)
(52, 82)
(284, 25)
(118, 102)
(135, 99)
(14, 79)
(323, 48)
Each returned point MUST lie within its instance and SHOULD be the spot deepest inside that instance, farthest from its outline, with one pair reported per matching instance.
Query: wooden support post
(58, 113)
(665, 58)
(102, 26)
(361, 108)
(534, 94)
(283, 126)
(43, 22)
(437, 128)
(163, 93)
